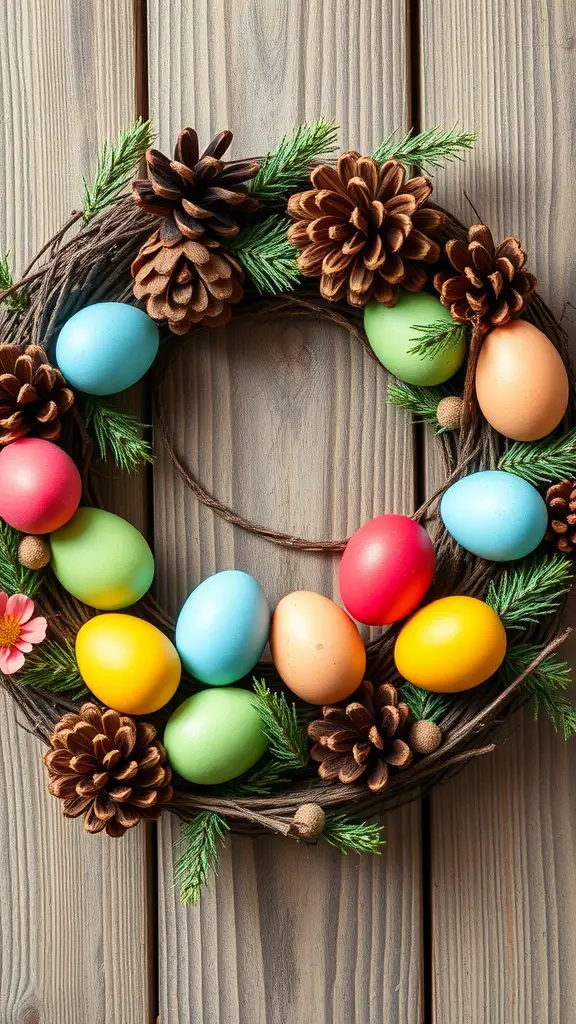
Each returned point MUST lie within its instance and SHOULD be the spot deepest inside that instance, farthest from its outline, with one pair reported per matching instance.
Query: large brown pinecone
(361, 737)
(109, 768)
(195, 195)
(490, 285)
(363, 230)
(33, 395)
(186, 282)
(561, 502)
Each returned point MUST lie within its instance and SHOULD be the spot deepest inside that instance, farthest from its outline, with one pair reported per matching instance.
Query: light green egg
(390, 331)
(102, 560)
(215, 736)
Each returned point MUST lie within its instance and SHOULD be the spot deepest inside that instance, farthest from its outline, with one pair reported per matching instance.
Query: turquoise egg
(107, 347)
(215, 736)
(223, 627)
(496, 515)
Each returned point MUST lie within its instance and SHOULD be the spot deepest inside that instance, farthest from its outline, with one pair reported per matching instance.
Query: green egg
(390, 331)
(102, 560)
(215, 736)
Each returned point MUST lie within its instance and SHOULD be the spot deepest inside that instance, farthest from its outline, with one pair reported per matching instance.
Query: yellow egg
(450, 645)
(521, 382)
(127, 663)
(316, 648)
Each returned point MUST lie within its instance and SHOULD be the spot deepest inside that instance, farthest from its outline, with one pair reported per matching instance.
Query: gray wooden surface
(468, 917)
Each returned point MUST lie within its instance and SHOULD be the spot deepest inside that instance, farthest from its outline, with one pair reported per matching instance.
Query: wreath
(143, 715)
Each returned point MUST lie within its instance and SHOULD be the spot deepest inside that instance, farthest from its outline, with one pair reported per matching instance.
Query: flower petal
(24, 646)
(11, 660)
(35, 630)
(3, 602)
(20, 606)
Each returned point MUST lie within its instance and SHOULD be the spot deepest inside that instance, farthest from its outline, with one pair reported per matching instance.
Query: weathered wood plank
(503, 884)
(73, 909)
(287, 421)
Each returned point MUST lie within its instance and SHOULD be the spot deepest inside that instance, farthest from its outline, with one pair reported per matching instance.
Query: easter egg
(223, 627)
(496, 515)
(521, 382)
(391, 333)
(386, 569)
(450, 645)
(102, 560)
(215, 736)
(127, 663)
(316, 648)
(107, 347)
(40, 487)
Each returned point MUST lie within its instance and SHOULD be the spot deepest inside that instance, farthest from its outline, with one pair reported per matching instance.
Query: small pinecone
(362, 737)
(449, 412)
(109, 768)
(425, 737)
(561, 502)
(363, 230)
(490, 285)
(33, 395)
(186, 282)
(34, 552)
(309, 821)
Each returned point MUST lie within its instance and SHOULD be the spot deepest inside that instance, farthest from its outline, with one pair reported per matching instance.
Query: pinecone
(561, 502)
(33, 395)
(109, 768)
(490, 286)
(363, 230)
(362, 737)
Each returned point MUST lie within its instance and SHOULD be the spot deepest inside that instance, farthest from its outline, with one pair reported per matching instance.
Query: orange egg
(521, 382)
(316, 648)
(450, 645)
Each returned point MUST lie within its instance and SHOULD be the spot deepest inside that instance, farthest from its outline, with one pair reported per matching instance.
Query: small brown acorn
(425, 737)
(449, 412)
(309, 821)
(34, 552)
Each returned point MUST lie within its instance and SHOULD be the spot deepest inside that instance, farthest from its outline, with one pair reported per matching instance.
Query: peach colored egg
(521, 382)
(316, 648)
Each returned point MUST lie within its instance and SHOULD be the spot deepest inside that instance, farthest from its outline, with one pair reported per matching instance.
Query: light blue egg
(107, 347)
(496, 515)
(223, 627)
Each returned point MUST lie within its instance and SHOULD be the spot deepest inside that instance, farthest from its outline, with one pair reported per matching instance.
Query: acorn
(309, 821)
(34, 552)
(425, 737)
(449, 412)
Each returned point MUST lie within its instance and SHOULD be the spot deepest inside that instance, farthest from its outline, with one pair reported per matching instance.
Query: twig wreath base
(92, 266)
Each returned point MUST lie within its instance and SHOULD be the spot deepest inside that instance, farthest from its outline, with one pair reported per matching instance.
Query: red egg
(40, 487)
(386, 569)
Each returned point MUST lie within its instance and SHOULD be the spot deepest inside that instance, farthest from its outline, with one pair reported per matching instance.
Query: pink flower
(18, 631)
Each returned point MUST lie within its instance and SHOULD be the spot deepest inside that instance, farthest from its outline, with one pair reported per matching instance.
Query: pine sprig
(280, 724)
(201, 856)
(260, 781)
(421, 402)
(546, 685)
(355, 836)
(14, 577)
(436, 338)
(116, 164)
(287, 167)
(525, 593)
(425, 150)
(118, 434)
(18, 301)
(266, 256)
(542, 461)
(52, 666)
(423, 704)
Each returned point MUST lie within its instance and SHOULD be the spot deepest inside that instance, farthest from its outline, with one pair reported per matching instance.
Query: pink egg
(386, 569)
(40, 487)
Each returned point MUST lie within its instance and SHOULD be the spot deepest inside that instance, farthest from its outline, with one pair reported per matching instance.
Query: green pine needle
(527, 592)
(260, 781)
(280, 723)
(18, 301)
(118, 434)
(346, 835)
(437, 338)
(287, 167)
(52, 666)
(266, 256)
(542, 461)
(421, 402)
(117, 163)
(546, 685)
(426, 150)
(424, 705)
(16, 578)
(203, 837)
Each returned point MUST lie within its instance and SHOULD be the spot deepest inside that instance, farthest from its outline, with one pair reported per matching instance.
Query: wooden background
(469, 916)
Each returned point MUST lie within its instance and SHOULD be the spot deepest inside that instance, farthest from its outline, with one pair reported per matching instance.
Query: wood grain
(73, 909)
(288, 422)
(503, 880)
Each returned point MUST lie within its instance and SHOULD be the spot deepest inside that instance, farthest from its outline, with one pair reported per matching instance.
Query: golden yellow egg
(450, 645)
(127, 663)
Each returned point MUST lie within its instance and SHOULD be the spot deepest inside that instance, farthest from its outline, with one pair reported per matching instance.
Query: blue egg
(223, 627)
(496, 515)
(107, 347)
